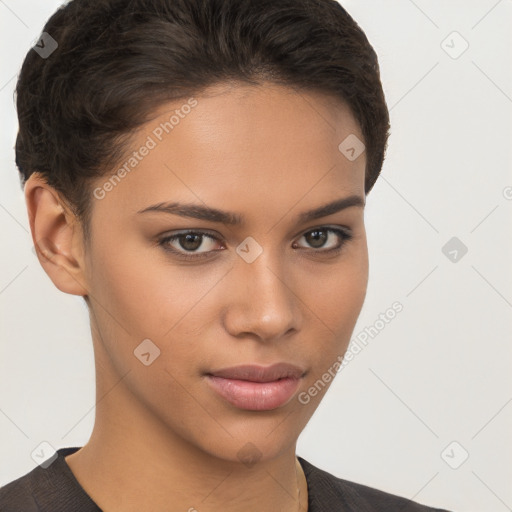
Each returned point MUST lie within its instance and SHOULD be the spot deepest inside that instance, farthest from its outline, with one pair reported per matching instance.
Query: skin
(162, 439)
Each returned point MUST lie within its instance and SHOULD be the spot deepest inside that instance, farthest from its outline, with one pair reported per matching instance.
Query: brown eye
(190, 244)
(326, 239)
(316, 238)
(190, 241)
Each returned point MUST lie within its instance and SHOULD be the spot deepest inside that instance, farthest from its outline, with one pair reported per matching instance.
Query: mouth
(256, 388)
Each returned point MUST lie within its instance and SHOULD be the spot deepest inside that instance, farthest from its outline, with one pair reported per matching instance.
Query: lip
(254, 387)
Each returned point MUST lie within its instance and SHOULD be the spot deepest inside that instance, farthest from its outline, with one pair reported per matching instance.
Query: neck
(129, 478)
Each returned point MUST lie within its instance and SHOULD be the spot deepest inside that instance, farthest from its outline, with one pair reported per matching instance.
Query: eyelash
(344, 235)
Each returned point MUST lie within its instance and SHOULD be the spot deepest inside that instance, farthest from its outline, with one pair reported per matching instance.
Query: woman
(197, 171)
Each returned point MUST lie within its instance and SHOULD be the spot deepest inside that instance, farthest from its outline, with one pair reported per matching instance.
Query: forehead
(242, 143)
(255, 115)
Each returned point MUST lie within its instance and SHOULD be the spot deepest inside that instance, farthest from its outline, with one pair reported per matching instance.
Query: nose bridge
(263, 303)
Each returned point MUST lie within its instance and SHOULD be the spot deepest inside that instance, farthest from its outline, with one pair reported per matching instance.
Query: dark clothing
(55, 489)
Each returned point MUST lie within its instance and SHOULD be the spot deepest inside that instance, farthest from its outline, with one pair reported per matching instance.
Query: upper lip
(257, 373)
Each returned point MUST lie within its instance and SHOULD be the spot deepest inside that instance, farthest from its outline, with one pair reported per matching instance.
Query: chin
(250, 447)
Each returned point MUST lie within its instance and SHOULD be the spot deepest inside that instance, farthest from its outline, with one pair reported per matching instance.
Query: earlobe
(54, 233)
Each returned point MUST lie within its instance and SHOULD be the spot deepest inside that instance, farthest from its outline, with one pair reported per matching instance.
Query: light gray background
(439, 372)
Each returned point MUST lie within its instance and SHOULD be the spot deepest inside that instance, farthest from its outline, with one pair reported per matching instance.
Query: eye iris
(192, 238)
(316, 238)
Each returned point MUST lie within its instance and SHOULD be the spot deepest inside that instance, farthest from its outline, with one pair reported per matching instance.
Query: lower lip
(254, 396)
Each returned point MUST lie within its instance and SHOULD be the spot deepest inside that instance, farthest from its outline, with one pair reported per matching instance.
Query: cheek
(135, 299)
(334, 299)
(137, 295)
(336, 293)
(339, 297)
(140, 291)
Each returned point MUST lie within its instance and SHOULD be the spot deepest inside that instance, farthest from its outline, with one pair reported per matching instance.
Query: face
(234, 271)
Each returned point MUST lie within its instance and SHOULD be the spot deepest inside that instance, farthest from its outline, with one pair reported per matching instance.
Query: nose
(261, 302)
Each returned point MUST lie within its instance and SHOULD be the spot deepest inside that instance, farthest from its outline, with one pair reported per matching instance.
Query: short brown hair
(118, 60)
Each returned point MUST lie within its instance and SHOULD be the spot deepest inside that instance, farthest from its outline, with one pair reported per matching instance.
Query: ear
(57, 236)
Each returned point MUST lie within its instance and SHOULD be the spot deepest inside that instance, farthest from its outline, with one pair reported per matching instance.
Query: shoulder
(18, 495)
(49, 487)
(328, 492)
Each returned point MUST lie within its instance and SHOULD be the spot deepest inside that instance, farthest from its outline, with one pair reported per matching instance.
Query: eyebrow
(230, 218)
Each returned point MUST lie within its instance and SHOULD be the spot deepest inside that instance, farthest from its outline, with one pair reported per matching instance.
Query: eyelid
(335, 227)
(175, 235)
(184, 256)
(341, 231)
